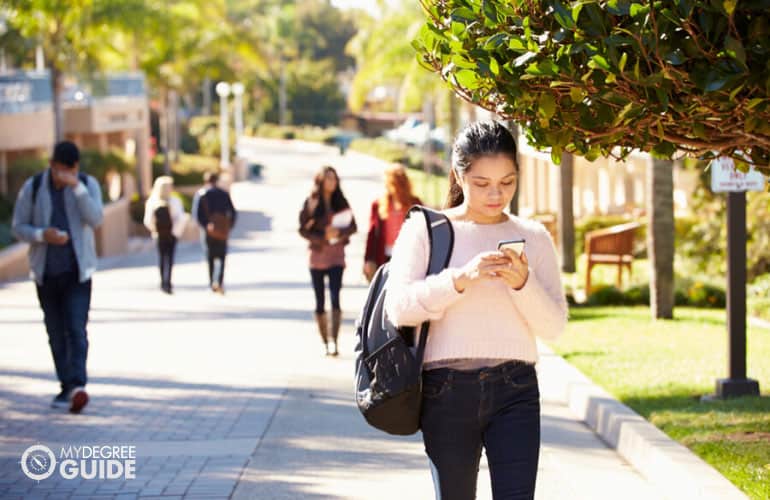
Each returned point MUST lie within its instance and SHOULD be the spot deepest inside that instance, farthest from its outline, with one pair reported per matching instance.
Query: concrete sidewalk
(231, 397)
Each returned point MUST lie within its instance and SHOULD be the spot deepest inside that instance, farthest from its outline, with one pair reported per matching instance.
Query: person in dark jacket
(327, 222)
(217, 215)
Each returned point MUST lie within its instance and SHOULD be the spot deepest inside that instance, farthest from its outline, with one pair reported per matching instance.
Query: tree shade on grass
(660, 369)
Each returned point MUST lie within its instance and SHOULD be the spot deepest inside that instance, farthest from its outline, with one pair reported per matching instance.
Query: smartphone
(516, 245)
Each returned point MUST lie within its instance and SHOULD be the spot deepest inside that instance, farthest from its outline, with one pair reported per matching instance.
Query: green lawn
(660, 369)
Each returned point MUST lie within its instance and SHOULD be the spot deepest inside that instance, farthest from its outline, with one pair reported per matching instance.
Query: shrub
(606, 295)
(188, 170)
(703, 295)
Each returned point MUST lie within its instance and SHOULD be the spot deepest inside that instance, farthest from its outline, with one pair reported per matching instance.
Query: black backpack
(163, 223)
(388, 364)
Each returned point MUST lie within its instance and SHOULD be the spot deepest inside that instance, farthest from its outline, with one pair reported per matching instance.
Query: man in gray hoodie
(56, 212)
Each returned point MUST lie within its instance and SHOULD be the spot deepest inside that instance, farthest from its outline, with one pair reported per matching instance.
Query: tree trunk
(163, 131)
(566, 215)
(282, 98)
(660, 237)
(514, 206)
(57, 86)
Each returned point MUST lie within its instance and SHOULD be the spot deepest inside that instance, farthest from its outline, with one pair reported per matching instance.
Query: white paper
(343, 219)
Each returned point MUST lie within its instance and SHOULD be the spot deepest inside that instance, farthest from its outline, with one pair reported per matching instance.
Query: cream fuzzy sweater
(489, 319)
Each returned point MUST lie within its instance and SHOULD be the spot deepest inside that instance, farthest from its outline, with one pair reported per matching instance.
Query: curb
(668, 465)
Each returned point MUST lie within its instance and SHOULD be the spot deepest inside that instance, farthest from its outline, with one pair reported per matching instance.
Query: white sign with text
(725, 178)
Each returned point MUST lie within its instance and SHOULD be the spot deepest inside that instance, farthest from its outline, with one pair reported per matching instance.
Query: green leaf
(576, 94)
(735, 92)
(494, 67)
(638, 9)
(598, 61)
(576, 11)
(563, 16)
(495, 41)
(517, 45)
(611, 78)
(675, 57)
(547, 105)
(729, 6)
(467, 79)
(523, 59)
(754, 103)
(556, 152)
(623, 60)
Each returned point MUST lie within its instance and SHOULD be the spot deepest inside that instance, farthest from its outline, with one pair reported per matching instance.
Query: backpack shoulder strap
(38, 179)
(441, 238)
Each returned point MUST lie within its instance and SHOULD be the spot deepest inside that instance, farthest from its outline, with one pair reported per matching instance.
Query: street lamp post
(223, 90)
(238, 89)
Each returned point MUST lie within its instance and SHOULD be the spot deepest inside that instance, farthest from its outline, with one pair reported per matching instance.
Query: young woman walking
(480, 387)
(387, 215)
(165, 218)
(327, 222)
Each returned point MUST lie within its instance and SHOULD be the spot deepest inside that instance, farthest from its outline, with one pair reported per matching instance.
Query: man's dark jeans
(495, 408)
(65, 303)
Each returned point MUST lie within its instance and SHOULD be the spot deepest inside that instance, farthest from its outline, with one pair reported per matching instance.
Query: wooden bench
(610, 246)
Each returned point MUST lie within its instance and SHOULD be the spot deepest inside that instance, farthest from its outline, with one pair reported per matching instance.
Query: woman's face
(330, 182)
(489, 185)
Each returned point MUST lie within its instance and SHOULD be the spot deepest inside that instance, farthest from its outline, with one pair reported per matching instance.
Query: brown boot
(336, 322)
(323, 329)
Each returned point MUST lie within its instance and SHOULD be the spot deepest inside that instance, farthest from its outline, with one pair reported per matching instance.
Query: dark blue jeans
(495, 408)
(65, 303)
(335, 285)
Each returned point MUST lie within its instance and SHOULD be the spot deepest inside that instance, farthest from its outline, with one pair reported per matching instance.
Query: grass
(430, 188)
(661, 368)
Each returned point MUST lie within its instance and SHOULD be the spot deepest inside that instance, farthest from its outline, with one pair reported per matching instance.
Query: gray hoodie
(83, 205)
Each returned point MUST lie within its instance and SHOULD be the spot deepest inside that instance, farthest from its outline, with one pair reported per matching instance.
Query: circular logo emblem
(38, 462)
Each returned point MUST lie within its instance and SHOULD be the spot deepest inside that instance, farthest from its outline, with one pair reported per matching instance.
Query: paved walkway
(230, 397)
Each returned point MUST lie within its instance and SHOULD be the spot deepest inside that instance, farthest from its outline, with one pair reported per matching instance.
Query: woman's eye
(508, 183)
(482, 185)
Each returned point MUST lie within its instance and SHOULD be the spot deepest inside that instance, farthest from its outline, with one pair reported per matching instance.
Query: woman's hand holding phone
(516, 273)
(486, 265)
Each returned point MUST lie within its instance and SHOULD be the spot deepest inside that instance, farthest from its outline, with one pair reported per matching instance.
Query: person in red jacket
(387, 215)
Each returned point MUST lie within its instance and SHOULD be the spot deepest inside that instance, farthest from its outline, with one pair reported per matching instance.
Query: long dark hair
(338, 200)
(487, 138)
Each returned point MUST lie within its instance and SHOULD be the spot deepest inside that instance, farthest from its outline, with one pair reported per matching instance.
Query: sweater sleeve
(541, 301)
(412, 298)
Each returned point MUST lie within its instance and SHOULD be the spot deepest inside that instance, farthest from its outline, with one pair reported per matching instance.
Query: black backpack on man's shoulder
(388, 364)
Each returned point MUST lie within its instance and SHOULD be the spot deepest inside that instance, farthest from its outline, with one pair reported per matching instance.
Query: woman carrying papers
(327, 222)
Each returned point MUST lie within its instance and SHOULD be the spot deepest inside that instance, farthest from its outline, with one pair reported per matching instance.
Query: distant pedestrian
(210, 180)
(387, 215)
(217, 215)
(480, 387)
(327, 222)
(56, 212)
(165, 217)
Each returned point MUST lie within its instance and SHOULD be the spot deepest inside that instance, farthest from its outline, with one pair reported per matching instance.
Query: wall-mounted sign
(725, 178)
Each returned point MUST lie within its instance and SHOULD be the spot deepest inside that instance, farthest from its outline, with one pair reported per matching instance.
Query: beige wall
(32, 130)
(112, 235)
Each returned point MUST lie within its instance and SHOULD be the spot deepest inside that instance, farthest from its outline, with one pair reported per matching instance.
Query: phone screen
(515, 245)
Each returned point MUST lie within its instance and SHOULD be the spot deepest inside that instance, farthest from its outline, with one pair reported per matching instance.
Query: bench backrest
(615, 240)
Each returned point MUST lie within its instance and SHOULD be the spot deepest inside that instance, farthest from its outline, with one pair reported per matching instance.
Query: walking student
(327, 222)
(480, 387)
(387, 215)
(164, 216)
(217, 215)
(56, 212)
(209, 180)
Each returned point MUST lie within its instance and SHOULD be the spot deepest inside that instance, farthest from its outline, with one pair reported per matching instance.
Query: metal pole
(737, 384)
(736, 274)
(224, 132)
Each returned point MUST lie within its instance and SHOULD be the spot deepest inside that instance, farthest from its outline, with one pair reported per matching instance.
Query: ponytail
(455, 197)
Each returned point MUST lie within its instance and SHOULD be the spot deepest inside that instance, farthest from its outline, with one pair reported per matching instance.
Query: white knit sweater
(489, 319)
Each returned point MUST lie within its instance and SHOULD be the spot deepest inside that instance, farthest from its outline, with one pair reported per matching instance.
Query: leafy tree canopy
(605, 77)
